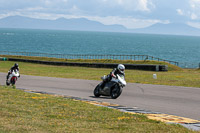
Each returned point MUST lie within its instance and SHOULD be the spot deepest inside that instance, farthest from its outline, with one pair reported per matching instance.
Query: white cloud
(180, 12)
(194, 16)
(31, 9)
(100, 7)
(128, 22)
(194, 3)
(195, 9)
(194, 24)
(130, 5)
(144, 5)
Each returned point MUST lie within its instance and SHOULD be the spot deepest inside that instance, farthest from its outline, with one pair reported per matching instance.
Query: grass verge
(182, 77)
(28, 112)
(170, 66)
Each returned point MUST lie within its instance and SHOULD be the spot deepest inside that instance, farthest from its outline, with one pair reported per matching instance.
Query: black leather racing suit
(113, 73)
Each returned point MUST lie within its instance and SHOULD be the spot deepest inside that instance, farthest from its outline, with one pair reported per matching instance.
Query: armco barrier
(98, 65)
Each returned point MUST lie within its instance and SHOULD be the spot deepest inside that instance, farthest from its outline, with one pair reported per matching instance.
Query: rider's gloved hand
(113, 75)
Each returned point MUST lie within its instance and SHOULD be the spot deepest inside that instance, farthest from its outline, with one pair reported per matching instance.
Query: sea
(183, 49)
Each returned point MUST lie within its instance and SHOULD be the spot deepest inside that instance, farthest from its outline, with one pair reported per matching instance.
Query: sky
(129, 13)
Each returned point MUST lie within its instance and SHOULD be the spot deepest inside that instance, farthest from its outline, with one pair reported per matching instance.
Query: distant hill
(83, 24)
(172, 28)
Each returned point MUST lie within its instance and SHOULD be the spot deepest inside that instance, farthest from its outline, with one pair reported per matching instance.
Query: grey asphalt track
(173, 100)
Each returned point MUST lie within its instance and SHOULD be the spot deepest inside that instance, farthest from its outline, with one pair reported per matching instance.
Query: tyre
(116, 92)
(7, 83)
(13, 82)
(96, 91)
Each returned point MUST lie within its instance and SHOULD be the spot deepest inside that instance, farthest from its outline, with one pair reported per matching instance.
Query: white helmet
(121, 68)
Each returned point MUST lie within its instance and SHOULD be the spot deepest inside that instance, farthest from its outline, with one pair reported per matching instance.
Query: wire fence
(96, 56)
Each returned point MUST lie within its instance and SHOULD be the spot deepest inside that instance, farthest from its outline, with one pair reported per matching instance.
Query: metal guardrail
(88, 56)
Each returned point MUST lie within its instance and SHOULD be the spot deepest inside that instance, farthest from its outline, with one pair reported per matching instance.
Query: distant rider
(14, 68)
(119, 70)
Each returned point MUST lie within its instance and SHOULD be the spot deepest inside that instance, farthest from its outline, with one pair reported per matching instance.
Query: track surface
(173, 100)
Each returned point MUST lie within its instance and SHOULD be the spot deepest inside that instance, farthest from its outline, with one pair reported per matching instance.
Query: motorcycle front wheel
(96, 91)
(7, 83)
(116, 92)
(13, 81)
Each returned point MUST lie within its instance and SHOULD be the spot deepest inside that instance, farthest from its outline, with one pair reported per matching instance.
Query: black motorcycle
(112, 88)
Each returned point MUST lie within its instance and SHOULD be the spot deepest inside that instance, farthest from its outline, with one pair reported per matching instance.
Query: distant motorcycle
(112, 88)
(12, 78)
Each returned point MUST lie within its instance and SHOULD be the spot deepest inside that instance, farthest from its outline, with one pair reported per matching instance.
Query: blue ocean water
(169, 47)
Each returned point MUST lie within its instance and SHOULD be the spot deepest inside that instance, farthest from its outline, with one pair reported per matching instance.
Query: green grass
(39, 113)
(178, 77)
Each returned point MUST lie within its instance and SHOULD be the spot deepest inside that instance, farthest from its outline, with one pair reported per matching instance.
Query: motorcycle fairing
(107, 88)
(13, 79)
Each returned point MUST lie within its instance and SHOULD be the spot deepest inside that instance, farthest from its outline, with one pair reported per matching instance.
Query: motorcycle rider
(13, 68)
(119, 70)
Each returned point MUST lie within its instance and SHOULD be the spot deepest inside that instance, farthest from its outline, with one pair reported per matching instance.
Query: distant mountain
(83, 24)
(172, 29)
